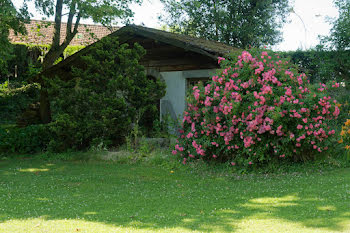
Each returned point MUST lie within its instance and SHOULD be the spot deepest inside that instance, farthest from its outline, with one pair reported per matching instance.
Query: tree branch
(58, 20)
(70, 19)
(77, 23)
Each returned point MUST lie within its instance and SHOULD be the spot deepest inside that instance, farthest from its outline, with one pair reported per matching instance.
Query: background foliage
(17, 92)
(240, 23)
(10, 18)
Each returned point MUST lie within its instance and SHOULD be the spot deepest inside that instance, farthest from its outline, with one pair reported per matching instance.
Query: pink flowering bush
(258, 108)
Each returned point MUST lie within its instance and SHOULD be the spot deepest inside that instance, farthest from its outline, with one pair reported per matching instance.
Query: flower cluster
(257, 108)
(345, 134)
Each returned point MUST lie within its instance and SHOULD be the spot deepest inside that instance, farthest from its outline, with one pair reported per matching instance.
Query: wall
(174, 101)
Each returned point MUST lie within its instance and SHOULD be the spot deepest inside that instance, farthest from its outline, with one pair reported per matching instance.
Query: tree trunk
(45, 110)
(55, 52)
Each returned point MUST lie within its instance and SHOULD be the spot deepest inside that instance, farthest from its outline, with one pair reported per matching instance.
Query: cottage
(179, 60)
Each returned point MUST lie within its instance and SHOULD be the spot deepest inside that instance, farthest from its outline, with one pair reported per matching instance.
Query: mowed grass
(37, 196)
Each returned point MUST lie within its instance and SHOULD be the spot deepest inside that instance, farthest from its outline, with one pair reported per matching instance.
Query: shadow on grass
(155, 199)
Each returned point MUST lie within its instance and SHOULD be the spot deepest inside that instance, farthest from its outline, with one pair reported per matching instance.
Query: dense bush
(256, 110)
(31, 139)
(322, 65)
(14, 98)
(101, 99)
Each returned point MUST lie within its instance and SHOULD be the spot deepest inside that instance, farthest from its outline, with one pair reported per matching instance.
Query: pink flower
(248, 141)
(174, 152)
(196, 93)
(288, 91)
(300, 127)
(214, 156)
(246, 56)
(282, 156)
(221, 59)
(336, 111)
(233, 164)
(207, 101)
(250, 163)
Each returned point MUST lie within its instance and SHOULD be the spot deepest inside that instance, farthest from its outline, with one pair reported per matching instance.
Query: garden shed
(179, 60)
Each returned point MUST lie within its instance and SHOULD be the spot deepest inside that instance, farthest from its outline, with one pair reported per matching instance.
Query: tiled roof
(41, 32)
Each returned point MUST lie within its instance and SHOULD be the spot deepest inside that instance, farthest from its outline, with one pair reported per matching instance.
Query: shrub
(31, 139)
(15, 98)
(322, 65)
(257, 109)
(99, 101)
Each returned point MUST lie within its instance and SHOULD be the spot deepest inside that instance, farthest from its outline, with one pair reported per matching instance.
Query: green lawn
(37, 196)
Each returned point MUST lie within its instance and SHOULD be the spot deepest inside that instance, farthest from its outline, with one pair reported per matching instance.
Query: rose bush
(256, 109)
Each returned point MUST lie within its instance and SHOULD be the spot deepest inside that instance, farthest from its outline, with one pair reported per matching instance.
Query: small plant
(345, 137)
(132, 139)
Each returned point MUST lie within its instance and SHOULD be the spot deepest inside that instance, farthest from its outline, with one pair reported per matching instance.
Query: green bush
(99, 100)
(14, 98)
(322, 65)
(31, 139)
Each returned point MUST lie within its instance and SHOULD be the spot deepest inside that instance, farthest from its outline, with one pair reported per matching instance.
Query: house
(178, 60)
(41, 33)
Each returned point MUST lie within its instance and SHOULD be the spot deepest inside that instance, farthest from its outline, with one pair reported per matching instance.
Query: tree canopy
(338, 44)
(240, 23)
(104, 12)
(340, 33)
(10, 18)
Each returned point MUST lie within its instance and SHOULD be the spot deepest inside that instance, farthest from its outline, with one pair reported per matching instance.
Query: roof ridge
(189, 36)
(88, 24)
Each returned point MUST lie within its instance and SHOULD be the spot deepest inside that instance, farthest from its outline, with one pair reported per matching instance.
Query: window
(191, 82)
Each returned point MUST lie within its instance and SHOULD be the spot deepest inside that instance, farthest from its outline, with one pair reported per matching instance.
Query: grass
(83, 196)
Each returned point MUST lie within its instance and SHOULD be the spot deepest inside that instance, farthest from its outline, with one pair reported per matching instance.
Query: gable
(165, 51)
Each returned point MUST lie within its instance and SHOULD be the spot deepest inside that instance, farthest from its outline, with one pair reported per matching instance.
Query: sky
(300, 32)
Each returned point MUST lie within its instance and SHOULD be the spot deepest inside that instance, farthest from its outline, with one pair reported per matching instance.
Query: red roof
(41, 32)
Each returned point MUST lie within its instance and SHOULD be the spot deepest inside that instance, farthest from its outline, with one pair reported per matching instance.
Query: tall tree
(338, 42)
(104, 12)
(10, 18)
(240, 23)
(340, 33)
